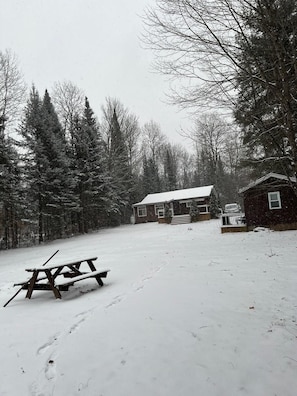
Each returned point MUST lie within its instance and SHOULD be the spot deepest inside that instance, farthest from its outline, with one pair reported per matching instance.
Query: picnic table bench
(60, 276)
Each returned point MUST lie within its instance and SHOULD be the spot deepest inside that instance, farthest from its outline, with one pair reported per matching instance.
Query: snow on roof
(264, 178)
(188, 193)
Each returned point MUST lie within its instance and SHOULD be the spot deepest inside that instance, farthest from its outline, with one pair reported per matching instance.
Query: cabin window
(141, 211)
(274, 200)
(161, 213)
(159, 208)
(203, 208)
(189, 203)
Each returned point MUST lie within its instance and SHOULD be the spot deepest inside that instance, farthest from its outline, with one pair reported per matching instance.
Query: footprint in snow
(115, 301)
(75, 326)
(50, 369)
(48, 344)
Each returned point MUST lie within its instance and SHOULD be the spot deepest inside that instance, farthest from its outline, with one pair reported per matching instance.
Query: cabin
(271, 202)
(178, 203)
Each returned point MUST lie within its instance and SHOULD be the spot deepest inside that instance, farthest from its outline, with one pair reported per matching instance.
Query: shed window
(141, 211)
(274, 200)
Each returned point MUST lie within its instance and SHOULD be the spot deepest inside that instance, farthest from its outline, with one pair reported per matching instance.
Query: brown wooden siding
(150, 215)
(257, 210)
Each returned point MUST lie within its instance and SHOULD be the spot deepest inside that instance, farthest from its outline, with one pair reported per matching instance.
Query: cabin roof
(176, 195)
(265, 178)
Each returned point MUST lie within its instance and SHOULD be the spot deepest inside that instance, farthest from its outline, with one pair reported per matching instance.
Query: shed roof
(264, 178)
(176, 195)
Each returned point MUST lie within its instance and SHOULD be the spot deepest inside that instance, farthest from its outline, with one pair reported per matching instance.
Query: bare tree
(186, 168)
(211, 134)
(153, 140)
(218, 147)
(195, 45)
(12, 93)
(233, 150)
(184, 165)
(236, 53)
(129, 126)
(12, 88)
(111, 105)
(131, 131)
(69, 101)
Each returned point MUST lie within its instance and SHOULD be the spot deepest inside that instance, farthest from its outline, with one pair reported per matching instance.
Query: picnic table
(60, 277)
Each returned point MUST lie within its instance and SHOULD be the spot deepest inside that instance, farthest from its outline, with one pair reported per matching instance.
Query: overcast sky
(96, 45)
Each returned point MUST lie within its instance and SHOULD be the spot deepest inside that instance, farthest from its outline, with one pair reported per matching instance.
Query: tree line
(72, 171)
(66, 171)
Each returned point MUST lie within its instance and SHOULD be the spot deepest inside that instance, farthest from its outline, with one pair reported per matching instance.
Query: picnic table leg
(52, 284)
(93, 268)
(99, 280)
(55, 274)
(91, 265)
(31, 284)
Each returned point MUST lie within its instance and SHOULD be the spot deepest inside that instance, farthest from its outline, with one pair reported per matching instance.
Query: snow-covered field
(185, 311)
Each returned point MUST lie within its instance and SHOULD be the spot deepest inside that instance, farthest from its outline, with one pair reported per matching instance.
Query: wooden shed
(153, 206)
(271, 201)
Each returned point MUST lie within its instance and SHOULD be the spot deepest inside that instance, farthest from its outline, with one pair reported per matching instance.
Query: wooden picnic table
(60, 276)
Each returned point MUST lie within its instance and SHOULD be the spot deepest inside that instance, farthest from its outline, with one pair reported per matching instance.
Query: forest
(66, 170)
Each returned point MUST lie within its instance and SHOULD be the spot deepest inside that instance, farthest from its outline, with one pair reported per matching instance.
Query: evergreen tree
(267, 83)
(49, 182)
(88, 166)
(151, 179)
(31, 130)
(120, 175)
(167, 212)
(214, 205)
(58, 195)
(11, 202)
(170, 171)
(194, 211)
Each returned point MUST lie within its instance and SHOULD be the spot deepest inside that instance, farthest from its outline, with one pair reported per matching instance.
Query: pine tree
(267, 83)
(31, 130)
(194, 211)
(151, 178)
(59, 190)
(214, 205)
(11, 203)
(120, 175)
(170, 171)
(46, 167)
(89, 169)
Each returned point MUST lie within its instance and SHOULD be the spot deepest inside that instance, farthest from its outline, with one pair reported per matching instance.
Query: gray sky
(95, 44)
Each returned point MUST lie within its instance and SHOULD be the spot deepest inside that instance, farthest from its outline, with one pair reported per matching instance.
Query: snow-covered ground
(185, 311)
